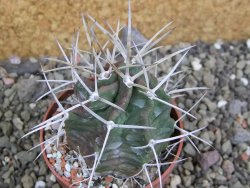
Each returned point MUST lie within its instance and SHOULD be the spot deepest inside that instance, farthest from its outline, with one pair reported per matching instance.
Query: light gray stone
(5, 142)
(8, 115)
(240, 135)
(9, 92)
(29, 90)
(25, 115)
(227, 147)
(239, 73)
(241, 64)
(27, 181)
(25, 157)
(40, 184)
(187, 180)
(237, 185)
(235, 107)
(189, 149)
(211, 105)
(247, 70)
(18, 123)
(58, 76)
(208, 79)
(210, 63)
(188, 165)
(228, 167)
(8, 173)
(220, 177)
(55, 186)
(6, 128)
(42, 168)
(175, 181)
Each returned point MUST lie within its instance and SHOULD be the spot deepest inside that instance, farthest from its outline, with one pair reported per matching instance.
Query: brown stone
(208, 159)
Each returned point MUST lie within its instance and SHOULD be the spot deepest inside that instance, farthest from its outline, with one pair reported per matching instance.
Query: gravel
(27, 89)
(228, 167)
(27, 181)
(224, 112)
(25, 157)
(240, 135)
(235, 107)
(189, 150)
(5, 142)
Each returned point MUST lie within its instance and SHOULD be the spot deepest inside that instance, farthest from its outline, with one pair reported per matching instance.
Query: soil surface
(225, 112)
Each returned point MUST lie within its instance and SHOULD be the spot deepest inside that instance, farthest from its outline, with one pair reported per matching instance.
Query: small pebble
(66, 174)
(75, 164)
(79, 175)
(49, 155)
(235, 107)
(40, 184)
(187, 180)
(189, 149)
(244, 81)
(68, 167)
(114, 186)
(33, 60)
(227, 147)
(248, 43)
(58, 155)
(18, 123)
(32, 105)
(8, 81)
(15, 60)
(221, 103)
(58, 160)
(54, 148)
(175, 181)
(240, 135)
(244, 156)
(208, 159)
(6, 159)
(232, 77)
(228, 167)
(54, 155)
(49, 150)
(57, 167)
(27, 181)
(196, 64)
(248, 150)
(52, 178)
(3, 72)
(217, 44)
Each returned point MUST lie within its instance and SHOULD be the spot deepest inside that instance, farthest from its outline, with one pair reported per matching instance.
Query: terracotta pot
(65, 183)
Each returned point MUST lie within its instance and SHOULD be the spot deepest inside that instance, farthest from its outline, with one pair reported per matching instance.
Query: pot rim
(65, 182)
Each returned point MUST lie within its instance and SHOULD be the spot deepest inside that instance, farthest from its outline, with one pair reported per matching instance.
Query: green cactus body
(120, 158)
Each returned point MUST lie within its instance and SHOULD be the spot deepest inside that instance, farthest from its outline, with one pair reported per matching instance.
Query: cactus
(120, 156)
(118, 118)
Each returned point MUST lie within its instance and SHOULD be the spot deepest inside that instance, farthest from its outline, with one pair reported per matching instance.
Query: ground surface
(223, 67)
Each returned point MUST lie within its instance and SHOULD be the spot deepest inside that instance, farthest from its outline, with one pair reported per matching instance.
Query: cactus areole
(121, 156)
